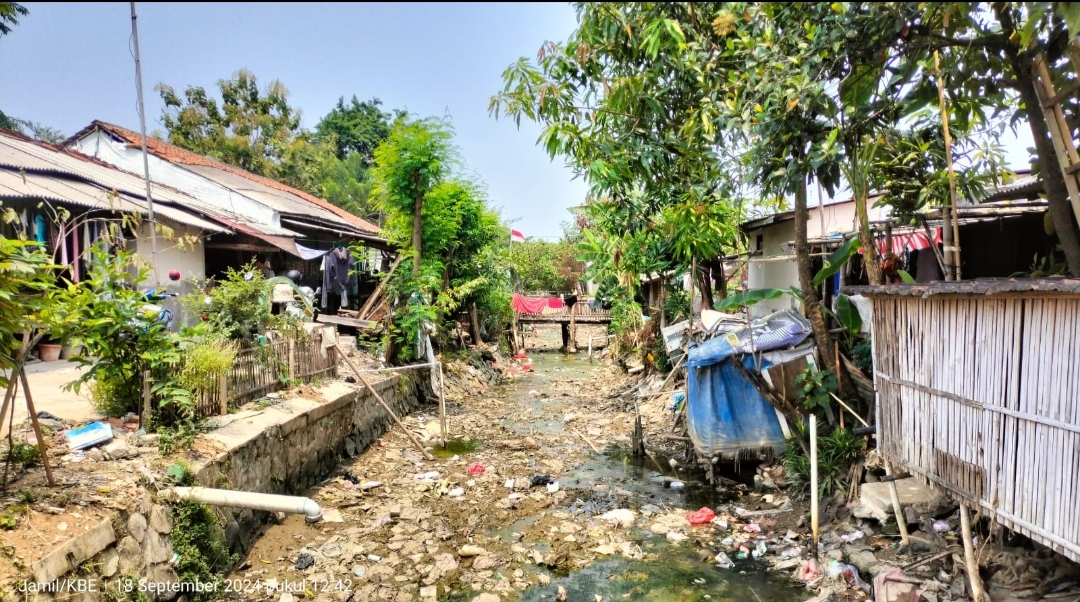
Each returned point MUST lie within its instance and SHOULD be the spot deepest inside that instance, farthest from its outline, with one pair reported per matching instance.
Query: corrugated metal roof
(181, 156)
(68, 189)
(21, 154)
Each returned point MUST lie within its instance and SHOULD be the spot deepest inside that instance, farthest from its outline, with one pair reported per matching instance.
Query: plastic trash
(427, 476)
(553, 487)
(723, 561)
(853, 536)
(808, 571)
(513, 497)
(475, 468)
(677, 485)
(304, 561)
(759, 550)
(350, 477)
(840, 570)
(743, 553)
(727, 542)
(622, 516)
(47, 416)
(790, 553)
(941, 526)
(509, 484)
(542, 479)
(720, 523)
(752, 528)
(456, 492)
(675, 537)
(701, 517)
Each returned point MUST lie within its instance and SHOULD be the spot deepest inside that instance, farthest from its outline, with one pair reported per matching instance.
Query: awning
(902, 243)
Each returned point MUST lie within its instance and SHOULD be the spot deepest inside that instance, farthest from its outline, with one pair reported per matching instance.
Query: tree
(545, 266)
(251, 129)
(34, 129)
(9, 16)
(358, 127)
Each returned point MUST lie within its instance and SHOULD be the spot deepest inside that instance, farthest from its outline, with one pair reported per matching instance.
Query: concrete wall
(278, 452)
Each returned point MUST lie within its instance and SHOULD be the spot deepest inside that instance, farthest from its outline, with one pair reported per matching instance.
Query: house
(38, 180)
(999, 236)
(771, 247)
(261, 214)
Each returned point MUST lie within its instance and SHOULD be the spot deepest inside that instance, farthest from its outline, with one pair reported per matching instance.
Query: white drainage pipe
(254, 501)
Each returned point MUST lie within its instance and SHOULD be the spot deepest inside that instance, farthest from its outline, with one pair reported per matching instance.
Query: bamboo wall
(980, 395)
(261, 370)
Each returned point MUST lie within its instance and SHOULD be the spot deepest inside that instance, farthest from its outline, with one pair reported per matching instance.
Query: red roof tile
(175, 154)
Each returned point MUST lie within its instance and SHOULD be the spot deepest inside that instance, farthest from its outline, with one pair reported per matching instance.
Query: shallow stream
(616, 479)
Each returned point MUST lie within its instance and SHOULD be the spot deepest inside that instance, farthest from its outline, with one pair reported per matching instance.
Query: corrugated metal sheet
(69, 190)
(280, 200)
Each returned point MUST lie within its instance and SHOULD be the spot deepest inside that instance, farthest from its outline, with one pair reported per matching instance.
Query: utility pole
(145, 156)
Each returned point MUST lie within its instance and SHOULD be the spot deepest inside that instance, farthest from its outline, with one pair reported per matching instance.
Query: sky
(65, 65)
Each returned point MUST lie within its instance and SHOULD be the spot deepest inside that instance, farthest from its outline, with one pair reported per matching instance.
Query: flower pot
(49, 352)
(69, 351)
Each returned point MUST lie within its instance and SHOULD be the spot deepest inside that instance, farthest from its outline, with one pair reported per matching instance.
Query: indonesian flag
(516, 236)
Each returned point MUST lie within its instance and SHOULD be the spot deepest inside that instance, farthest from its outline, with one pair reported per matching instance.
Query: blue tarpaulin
(726, 415)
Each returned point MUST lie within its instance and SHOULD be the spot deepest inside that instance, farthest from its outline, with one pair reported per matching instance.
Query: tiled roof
(175, 154)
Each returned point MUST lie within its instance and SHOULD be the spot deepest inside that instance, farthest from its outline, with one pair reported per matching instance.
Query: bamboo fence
(261, 370)
(977, 393)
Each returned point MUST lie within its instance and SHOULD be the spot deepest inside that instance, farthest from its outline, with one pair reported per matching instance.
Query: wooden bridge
(568, 316)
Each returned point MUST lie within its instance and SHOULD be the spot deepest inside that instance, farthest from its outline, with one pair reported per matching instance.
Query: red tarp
(555, 303)
(909, 242)
(528, 305)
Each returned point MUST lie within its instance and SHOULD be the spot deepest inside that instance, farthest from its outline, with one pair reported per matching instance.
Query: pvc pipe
(254, 501)
(814, 482)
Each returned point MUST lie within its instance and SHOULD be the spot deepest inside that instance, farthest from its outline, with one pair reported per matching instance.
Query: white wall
(102, 146)
(188, 259)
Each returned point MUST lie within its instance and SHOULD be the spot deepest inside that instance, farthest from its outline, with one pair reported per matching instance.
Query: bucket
(69, 351)
(49, 352)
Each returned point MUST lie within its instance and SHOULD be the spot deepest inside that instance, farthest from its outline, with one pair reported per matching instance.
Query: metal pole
(145, 157)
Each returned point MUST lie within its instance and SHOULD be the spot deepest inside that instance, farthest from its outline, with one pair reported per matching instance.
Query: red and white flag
(516, 236)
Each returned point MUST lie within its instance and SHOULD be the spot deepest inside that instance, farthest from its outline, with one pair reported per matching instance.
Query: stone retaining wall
(282, 449)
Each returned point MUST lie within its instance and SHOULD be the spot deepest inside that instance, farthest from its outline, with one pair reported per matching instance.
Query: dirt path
(535, 521)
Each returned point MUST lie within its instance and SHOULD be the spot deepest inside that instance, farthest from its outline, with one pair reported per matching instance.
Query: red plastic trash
(521, 356)
(701, 517)
(475, 468)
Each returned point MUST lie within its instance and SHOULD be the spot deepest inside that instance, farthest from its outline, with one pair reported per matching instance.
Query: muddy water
(616, 479)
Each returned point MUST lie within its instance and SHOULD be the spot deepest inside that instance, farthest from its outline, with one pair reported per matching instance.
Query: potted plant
(71, 349)
(49, 350)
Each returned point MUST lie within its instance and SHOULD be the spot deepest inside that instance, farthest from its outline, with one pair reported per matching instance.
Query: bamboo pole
(37, 427)
(974, 580)
(952, 253)
(901, 522)
(814, 482)
(383, 403)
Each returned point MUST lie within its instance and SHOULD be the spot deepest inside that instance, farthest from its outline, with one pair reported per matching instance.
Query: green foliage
(10, 12)
(8, 522)
(545, 266)
(205, 362)
(238, 307)
(626, 316)
(357, 128)
(750, 297)
(862, 354)
(23, 454)
(110, 395)
(463, 257)
(677, 304)
(836, 260)
(26, 274)
(836, 453)
(848, 315)
(179, 437)
(199, 541)
(109, 315)
(814, 387)
(906, 277)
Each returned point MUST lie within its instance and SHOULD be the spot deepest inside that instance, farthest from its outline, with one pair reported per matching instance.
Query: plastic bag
(475, 468)
(839, 570)
(808, 571)
(701, 517)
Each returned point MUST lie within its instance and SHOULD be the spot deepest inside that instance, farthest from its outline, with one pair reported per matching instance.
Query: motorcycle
(153, 312)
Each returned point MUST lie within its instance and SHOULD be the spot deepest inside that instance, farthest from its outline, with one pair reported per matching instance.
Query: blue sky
(65, 65)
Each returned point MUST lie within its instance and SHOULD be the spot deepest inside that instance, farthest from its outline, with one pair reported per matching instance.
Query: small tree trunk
(719, 278)
(1057, 195)
(866, 240)
(811, 301)
(474, 324)
(706, 290)
(417, 239)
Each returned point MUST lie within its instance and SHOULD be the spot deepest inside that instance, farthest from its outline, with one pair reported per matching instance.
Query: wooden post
(474, 324)
(145, 418)
(513, 334)
(573, 329)
(814, 482)
(37, 426)
(223, 394)
(442, 407)
(565, 330)
(292, 358)
(590, 347)
(974, 580)
(384, 405)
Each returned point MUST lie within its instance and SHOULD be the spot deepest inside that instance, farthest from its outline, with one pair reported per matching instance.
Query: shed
(977, 394)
